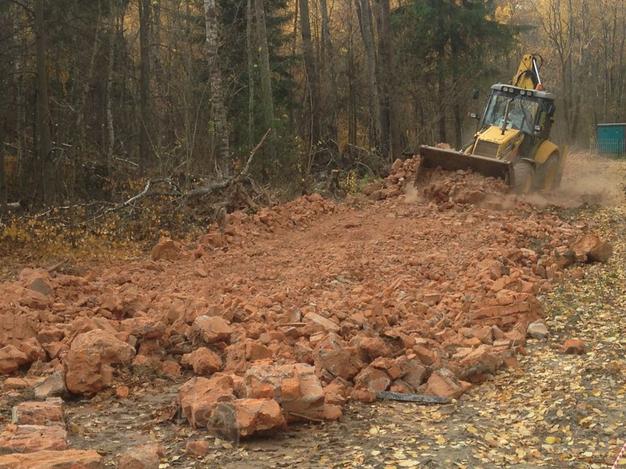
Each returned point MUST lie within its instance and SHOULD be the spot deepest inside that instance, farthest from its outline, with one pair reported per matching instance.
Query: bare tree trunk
(456, 108)
(329, 77)
(605, 65)
(458, 125)
(441, 80)
(24, 163)
(156, 74)
(218, 109)
(188, 94)
(267, 98)
(311, 74)
(385, 77)
(250, 56)
(81, 125)
(441, 101)
(620, 60)
(5, 25)
(144, 83)
(3, 182)
(569, 90)
(367, 33)
(44, 146)
(421, 120)
(109, 86)
(351, 66)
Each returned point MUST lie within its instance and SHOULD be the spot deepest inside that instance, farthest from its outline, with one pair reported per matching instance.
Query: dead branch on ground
(210, 188)
(223, 184)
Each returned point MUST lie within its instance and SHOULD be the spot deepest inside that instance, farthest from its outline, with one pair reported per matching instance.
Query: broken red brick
(245, 417)
(166, 249)
(590, 248)
(199, 396)
(203, 361)
(211, 329)
(12, 359)
(338, 359)
(197, 448)
(574, 347)
(68, 459)
(443, 383)
(363, 395)
(374, 379)
(29, 438)
(49, 412)
(303, 396)
(141, 457)
(88, 363)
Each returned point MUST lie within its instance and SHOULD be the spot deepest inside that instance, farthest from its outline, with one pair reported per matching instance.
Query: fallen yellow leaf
(471, 429)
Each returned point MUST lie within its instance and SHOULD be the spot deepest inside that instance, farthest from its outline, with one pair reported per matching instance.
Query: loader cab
(529, 111)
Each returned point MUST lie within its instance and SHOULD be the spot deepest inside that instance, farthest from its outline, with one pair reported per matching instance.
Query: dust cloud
(411, 194)
(587, 179)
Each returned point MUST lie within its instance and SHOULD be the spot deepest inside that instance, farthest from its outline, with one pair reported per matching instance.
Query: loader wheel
(523, 175)
(549, 174)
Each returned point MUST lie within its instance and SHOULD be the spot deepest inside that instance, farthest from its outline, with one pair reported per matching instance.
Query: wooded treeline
(97, 94)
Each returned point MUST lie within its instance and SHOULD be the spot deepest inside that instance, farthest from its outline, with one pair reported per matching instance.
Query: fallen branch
(253, 152)
(306, 417)
(54, 267)
(357, 149)
(128, 162)
(218, 185)
(47, 212)
(208, 189)
(145, 192)
(409, 397)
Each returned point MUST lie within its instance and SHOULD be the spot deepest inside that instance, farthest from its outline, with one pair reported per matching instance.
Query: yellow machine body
(544, 151)
(513, 137)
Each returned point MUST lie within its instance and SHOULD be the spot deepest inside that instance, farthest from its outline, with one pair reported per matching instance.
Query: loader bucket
(451, 160)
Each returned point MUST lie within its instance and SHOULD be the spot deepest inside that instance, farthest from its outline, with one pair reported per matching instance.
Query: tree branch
(208, 189)
(139, 196)
(217, 185)
(28, 9)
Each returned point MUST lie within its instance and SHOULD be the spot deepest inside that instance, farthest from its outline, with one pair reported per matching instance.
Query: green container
(611, 138)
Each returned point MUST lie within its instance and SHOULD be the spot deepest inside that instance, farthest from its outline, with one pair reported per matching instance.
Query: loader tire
(523, 177)
(549, 174)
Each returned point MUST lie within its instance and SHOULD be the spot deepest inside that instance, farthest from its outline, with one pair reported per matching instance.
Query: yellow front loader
(512, 141)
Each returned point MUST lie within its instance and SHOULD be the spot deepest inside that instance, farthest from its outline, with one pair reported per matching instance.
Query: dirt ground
(553, 410)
